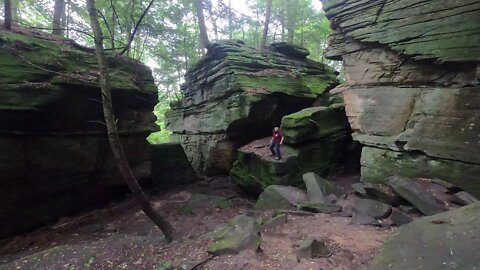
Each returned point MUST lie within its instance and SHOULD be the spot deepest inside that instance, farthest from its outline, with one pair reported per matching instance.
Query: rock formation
(54, 153)
(445, 241)
(236, 94)
(315, 141)
(412, 86)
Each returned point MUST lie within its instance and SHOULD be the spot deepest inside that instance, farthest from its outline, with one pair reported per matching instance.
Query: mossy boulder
(280, 197)
(314, 123)
(236, 94)
(255, 169)
(242, 232)
(318, 188)
(448, 240)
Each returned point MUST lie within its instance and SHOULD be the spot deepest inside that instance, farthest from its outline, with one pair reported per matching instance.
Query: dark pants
(275, 148)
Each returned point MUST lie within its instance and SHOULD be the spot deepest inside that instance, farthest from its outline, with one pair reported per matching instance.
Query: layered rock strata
(315, 141)
(236, 94)
(54, 153)
(412, 86)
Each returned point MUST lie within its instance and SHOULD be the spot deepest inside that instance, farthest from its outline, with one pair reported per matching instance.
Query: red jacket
(277, 137)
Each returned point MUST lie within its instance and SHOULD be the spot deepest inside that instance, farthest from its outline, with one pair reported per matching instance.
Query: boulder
(312, 248)
(377, 192)
(463, 198)
(280, 197)
(399, 218)
(241, 233)
(236, 94)
(55, 156)
(415, 194)
(318, 188)
(375, 209)
(411, 72)
(448, 240)
(314, 123)
(255, 169)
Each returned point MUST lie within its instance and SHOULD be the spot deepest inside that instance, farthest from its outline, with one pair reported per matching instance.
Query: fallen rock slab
(444, 241)
(241, 233)
(463, 198)
(318, 188)
(399, 218)
(375, 209)
(280, 197)
(415, 194)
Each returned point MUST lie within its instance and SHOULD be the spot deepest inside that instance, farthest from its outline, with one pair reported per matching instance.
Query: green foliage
(163, 135)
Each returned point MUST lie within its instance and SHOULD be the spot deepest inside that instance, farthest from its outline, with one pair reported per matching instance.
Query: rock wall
(236, 94)
(412, 86)
(54, 154)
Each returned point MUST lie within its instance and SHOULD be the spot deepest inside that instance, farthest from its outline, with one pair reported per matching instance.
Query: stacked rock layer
(236, 94)
(412, 86)
(54, 154)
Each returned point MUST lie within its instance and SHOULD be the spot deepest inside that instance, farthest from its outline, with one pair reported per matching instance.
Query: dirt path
(119, 237)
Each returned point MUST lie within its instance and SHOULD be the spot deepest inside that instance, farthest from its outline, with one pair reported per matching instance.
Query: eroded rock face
(412, 84)
(236, 94)
(54, 154)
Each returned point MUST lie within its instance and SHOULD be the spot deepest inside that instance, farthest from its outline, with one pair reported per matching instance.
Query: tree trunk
(113, 137)
(7, 23)
(58, 14)
(15, 14)
(204, 42)
(230, 19)
(292, 6)
(268, 11)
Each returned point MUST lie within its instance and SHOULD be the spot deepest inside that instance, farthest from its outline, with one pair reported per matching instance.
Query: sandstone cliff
(412, 86)
(54, 153)
(236, 94)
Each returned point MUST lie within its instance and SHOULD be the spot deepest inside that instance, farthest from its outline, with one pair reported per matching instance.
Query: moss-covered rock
(55, 157)
(411, 71)
(314, 123)
(445, 241)
(255, 169)
(280, 197)
(236, 94)
(242, 232)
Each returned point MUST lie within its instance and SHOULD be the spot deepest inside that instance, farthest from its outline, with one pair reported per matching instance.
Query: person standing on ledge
(277, 140)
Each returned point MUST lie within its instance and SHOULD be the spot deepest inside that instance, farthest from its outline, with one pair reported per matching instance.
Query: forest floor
(119, 236)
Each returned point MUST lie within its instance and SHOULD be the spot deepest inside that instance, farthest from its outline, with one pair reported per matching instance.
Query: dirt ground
(119, 236)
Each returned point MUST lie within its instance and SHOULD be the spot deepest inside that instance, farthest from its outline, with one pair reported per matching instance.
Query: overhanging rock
(236, 94)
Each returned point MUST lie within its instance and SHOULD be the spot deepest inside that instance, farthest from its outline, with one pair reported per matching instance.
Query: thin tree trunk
(7, 23)
(268, 11)
(112, 130)
(136, 28)
(15, 15)
(230, 30)
(292, 6)
(58, 14)
(204, 41)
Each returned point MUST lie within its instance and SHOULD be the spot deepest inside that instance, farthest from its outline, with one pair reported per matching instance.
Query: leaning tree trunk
(112, 130)
(7, 23)
(58, 14)
(204, 41)
(267, 22)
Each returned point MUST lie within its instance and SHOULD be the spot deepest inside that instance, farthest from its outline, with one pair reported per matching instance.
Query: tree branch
(135, 29)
